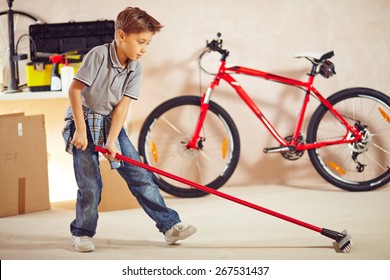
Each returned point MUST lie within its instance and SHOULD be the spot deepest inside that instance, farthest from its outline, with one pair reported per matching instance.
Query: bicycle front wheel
(363, 165)
(163, 143)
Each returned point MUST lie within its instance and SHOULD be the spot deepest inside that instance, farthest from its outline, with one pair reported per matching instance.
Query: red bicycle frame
(224, 73)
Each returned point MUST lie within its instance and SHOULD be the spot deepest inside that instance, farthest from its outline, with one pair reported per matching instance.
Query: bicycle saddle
(316, 56)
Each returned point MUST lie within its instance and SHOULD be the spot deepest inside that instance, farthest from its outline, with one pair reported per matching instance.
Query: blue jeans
(139, 181)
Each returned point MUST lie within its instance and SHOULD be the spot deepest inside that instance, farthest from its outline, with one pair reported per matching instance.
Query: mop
(343, 239)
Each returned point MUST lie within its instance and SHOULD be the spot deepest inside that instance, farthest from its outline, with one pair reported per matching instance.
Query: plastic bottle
(55, 83)
(67, 74)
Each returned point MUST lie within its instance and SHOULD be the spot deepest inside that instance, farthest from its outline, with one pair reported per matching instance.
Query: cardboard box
(24, 183)
(115, 193)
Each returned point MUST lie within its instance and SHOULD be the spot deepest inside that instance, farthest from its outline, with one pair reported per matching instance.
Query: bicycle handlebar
(216, 46)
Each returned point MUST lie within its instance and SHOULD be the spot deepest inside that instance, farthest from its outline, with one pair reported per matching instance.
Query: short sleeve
(90, 67)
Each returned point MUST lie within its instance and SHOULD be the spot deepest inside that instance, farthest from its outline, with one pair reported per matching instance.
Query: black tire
(165, 133)
(368, 109)
(20, 13)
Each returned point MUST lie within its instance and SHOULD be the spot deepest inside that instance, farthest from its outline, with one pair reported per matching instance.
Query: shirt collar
(115, 61)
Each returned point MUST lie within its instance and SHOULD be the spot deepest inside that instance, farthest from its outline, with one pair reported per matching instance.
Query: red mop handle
(210, 190)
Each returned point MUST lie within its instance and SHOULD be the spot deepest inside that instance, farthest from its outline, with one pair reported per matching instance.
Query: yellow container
(39, 74)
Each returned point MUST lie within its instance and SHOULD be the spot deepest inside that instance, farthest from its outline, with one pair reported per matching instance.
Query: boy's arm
(118, 119)
(79, 140)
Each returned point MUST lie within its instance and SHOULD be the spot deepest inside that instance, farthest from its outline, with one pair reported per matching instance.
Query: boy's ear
(120, 34)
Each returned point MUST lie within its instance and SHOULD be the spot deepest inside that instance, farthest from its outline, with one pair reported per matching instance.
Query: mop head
(344, 242)
(343, 239)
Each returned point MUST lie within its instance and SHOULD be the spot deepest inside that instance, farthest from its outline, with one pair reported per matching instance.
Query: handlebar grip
(216, 46)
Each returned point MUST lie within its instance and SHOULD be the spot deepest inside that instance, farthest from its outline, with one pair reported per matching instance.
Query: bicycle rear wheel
(22, 22)
(359, 166)
(165, 134)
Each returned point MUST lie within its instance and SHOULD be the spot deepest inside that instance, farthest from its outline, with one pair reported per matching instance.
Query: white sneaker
(83, 243)
(179, 231)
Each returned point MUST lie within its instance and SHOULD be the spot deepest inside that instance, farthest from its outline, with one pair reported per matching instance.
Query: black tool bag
(60, 38)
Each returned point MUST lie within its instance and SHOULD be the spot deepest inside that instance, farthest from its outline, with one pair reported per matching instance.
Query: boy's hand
(113, 151)
(80, 140)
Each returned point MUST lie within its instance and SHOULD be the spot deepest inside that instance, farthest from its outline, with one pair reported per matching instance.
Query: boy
(100, 95)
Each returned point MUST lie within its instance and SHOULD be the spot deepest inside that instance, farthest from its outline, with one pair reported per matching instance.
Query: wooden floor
(226, 230)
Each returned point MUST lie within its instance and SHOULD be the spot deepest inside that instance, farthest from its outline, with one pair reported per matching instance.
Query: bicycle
(195, 138)
(14, 56)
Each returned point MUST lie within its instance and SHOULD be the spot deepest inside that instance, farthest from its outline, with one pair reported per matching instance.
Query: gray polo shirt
(107, 82)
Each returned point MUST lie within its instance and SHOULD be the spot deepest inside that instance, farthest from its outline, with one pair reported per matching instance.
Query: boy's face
(133, 45)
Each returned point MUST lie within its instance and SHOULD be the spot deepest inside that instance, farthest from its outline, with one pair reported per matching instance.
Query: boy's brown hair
(135, 20)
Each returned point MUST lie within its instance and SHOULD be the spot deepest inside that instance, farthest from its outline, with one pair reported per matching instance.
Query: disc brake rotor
(363, 144)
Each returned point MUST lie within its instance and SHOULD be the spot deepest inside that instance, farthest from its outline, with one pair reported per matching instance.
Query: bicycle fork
(196, 141)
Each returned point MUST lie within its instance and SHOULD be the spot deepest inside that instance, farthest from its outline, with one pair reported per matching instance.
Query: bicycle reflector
(384, 115)
(224, 147)
(336, 167)
(327, 69)
(154, 151)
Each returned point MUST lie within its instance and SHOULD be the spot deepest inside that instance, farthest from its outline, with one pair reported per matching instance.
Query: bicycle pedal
(278, 149)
